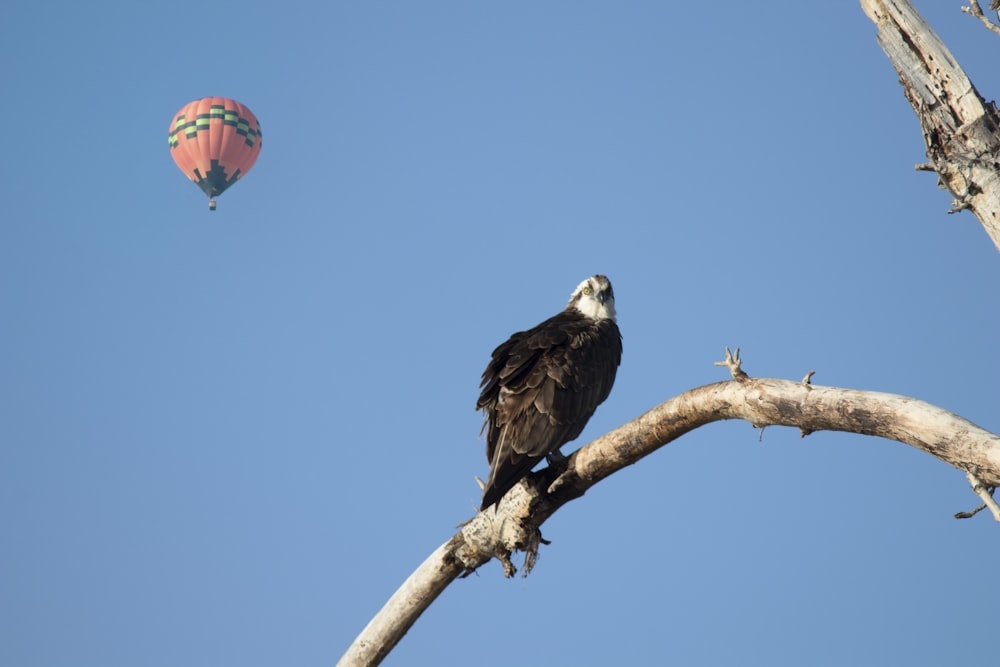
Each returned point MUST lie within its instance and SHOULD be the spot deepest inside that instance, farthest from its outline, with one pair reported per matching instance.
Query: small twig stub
(733, 363)
(984, 492)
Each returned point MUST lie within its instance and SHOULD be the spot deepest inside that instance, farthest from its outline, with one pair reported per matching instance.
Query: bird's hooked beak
(602, 296)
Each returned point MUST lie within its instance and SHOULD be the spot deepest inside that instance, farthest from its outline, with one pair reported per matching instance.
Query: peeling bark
(960, 128)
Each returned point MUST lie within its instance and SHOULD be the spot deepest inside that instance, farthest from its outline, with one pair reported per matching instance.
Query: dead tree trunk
(960, 128)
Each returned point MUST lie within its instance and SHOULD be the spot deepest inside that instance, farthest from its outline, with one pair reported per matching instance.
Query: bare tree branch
(515, 523)
(975, 10)
(985, 492)
(960, 129)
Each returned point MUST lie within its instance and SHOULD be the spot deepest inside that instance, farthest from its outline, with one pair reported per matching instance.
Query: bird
(542, 385)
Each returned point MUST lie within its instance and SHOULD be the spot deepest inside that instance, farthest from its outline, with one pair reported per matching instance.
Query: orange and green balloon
(215, 142)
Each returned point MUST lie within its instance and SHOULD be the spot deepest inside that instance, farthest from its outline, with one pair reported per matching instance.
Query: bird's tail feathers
(503, 477)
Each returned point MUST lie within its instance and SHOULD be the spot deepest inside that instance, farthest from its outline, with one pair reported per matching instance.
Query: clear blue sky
(226, 438)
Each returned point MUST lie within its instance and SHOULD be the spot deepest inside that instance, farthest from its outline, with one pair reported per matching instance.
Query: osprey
(542, 385)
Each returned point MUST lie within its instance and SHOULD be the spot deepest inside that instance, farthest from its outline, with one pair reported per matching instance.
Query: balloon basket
(211, 204)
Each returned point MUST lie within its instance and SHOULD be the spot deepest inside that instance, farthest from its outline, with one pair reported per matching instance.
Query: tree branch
(960, 129)
(515, 523)
(975, 10)
(985, 492)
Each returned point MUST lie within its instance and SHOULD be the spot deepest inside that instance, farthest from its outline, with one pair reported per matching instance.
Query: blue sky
(226, 438)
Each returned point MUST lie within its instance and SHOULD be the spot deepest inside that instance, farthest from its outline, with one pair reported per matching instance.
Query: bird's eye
(588, 290)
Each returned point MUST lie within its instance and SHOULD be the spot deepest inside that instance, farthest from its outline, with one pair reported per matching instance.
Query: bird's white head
(594, 298)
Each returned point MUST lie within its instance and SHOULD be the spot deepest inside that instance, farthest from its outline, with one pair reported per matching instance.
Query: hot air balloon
(215, 141)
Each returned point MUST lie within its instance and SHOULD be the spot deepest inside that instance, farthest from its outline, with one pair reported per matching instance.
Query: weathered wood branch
(975, 10)
(960, 128)
(515, 525)
(986, 493)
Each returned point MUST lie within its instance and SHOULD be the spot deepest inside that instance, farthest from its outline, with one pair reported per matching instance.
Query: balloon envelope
(215, 141)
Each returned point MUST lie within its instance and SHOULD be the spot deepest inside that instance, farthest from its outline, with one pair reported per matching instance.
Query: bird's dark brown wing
(540, 389)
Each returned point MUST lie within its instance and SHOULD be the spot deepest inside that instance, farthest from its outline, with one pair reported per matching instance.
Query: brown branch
(515, 523)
